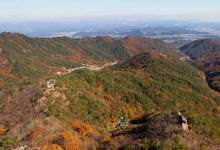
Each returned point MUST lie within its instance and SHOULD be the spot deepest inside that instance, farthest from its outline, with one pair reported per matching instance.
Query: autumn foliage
(69, 141)
(83, 129)
(35, 133)
(51, 147)
(75, 124)
(2, 130)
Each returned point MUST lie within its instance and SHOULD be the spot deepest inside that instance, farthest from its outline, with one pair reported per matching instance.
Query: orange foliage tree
(83, 129)
(2, 131)
(36, 133)
(51, 147)
(70, 142)
(86, 129)
(75, 124)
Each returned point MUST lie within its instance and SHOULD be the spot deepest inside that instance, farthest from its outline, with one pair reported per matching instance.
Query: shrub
(2, 130)
(36, 133)
(83, 129)
(150, 144)
(75, 124)
(69, 141)
(86, 129)
(51, 147)
(6, 142)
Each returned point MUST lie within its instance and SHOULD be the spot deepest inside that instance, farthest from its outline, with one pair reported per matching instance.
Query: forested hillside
(130, 105)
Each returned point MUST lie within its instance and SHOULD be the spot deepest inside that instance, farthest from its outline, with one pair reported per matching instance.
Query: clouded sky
(55, 10)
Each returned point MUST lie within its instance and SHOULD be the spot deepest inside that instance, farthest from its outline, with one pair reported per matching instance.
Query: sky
(61, 10)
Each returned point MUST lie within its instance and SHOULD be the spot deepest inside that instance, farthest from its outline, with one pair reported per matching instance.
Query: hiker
(183, 121)
(182, 118)
(121, 123)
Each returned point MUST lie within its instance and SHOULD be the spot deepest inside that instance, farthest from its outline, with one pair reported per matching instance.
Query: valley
(205, 56)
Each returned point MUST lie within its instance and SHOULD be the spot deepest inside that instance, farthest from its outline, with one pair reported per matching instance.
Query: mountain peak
(140, 60)
(11, 35)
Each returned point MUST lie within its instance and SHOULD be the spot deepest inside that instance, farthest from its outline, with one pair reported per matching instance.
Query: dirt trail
(85, 66)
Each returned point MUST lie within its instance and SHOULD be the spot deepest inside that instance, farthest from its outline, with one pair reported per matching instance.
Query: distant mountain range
(170, 31)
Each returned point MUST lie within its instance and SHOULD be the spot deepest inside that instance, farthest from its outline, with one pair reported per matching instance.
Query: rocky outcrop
(50, 90)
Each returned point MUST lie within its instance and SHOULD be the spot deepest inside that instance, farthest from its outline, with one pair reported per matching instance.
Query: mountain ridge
(20, 50)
